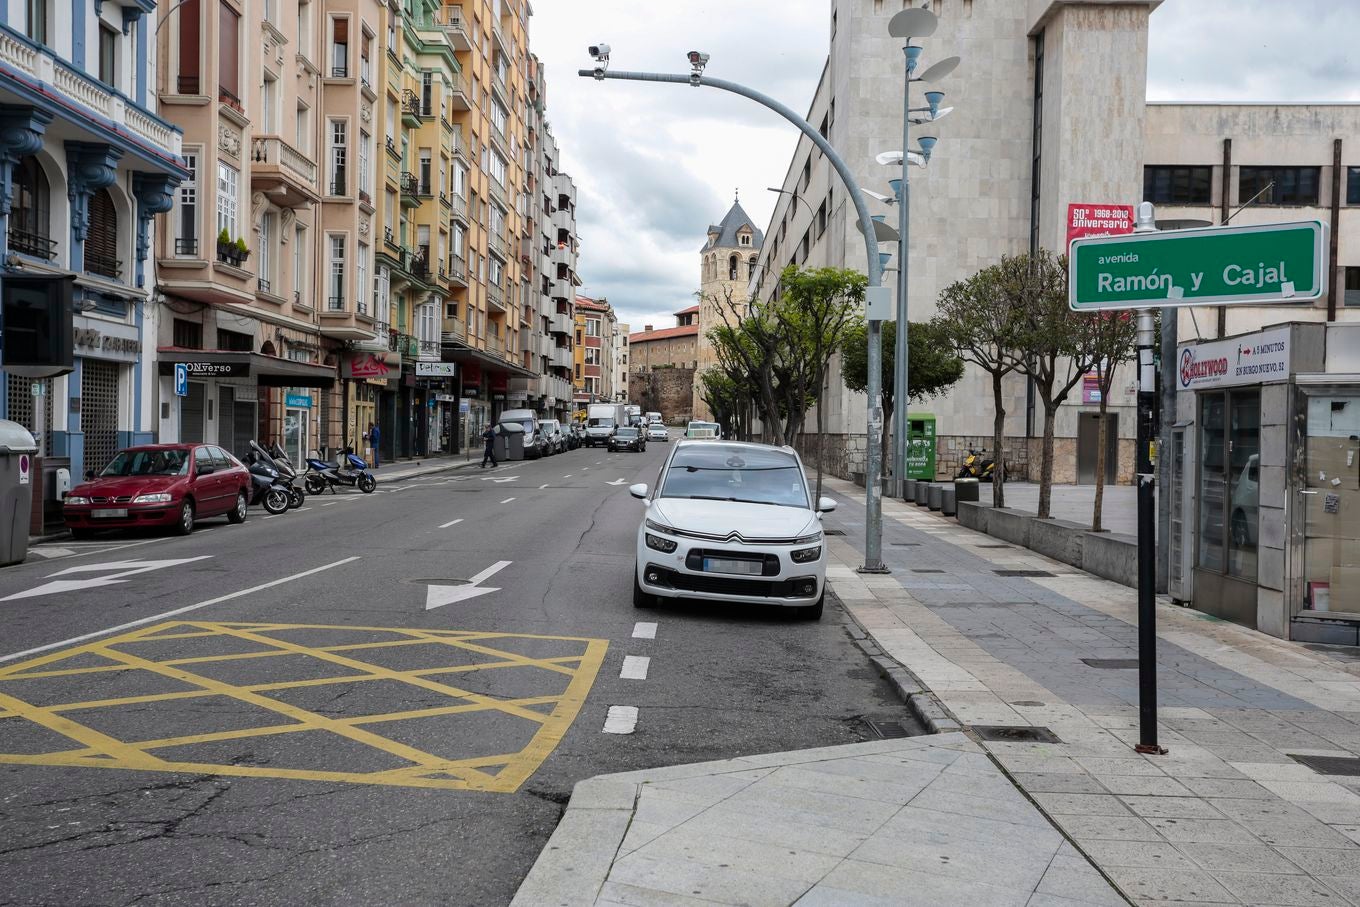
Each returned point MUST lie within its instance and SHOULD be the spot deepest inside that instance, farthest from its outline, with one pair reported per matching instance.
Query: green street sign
(1261, 263)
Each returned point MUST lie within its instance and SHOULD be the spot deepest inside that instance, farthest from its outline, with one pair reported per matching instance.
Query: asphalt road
(321, 737)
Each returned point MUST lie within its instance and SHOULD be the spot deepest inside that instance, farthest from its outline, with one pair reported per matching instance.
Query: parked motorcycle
(267, 487)
(977, 465)
(278, 458)
(349, 469)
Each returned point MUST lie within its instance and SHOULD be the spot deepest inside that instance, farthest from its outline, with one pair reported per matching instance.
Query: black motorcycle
(278, 458)
(267, 487)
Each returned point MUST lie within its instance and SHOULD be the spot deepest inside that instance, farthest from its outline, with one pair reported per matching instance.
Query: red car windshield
(148, 463)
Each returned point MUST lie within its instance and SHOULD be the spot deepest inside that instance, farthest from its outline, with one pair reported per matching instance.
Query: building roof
(594, 305)
(692, 310)
(735, 219)
(683, 330)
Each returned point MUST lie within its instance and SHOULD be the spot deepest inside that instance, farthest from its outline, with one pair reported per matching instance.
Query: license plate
(730, 565)
(109, 513)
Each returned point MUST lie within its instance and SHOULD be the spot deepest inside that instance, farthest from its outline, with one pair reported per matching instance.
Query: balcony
(563, 255)
(457, 144)
(339, 321)
(495, 298)
(410, 190)
(230, 99)
(281, 171)
(455, 331)
(563, 289)
(184, 248)
(407, 345)
(495, 344)
(35, 244)
(458, 94)
(103, 265)
(562, 357)
(560, 323)
(410, 109)
(458, 276)
(497, 191)
(427, 350)
(496, 242)
(460, 207)
(455, 27)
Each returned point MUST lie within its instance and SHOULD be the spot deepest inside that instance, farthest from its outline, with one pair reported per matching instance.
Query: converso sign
(1253, 359)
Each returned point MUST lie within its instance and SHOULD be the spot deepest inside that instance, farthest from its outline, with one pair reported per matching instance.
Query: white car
(657, 432)
(703, 430)
(732, 522)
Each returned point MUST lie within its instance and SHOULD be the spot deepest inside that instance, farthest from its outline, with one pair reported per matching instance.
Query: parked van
(527, 419)
(601, 420)
(649, 418)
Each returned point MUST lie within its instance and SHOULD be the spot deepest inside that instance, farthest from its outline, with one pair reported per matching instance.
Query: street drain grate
(833, 532)
(1023, 573)
(1330, 765)
(1111, 664)
(1026, 702)
(993, 546)
(1000, 733)
(887, 728)
(925, 570)
(905, 544)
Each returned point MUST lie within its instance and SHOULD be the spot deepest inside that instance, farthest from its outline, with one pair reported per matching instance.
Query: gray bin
(966, 489)
(948, 504)
(936, 498)
(17, 449)
(509, 444)
(909, 490)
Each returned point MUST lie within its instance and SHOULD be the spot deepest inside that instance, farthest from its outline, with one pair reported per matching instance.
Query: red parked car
(160, 485)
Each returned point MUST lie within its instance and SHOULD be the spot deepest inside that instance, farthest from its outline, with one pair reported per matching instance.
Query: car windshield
(526, 424)
(747, 475)
(600, 422)
(148, 463)
(627, 433)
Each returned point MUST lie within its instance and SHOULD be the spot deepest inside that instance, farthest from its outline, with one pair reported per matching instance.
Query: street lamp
(908, 24)
(876, 295)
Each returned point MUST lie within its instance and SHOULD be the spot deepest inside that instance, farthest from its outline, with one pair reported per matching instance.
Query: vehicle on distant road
(701, 431)
(732, 522)
(627, 437)
(554, 440)
(651, 417)
(634, 414)
(657, 432)
(172, 485)
(534, 444)
(601, 420)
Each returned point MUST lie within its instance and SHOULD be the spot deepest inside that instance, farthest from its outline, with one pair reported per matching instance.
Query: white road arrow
(494, 479)
(439, 596)
(123, 568)
(616, 482)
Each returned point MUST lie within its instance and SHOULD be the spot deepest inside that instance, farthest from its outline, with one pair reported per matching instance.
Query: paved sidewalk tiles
(1227, 816)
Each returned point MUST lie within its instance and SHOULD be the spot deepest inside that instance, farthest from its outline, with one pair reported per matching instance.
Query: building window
(190, 48)
(37, 20)
(1352, 284)
(1229, 466)
(301, 293)
(269, 105)
(304, 39)
(751, 268)
(302, 137)
(235, 341)
(498, 167)
(340, 47)
(228, 183)
(423, 171)
(499, 116)
(744, 239)
(365, 64)
(338, 156)
(1353, 185)
(336, 293)
(361, 272)
(592, 327)
(108, 55)
(732, 264)
(1295, 186)
(381, 292)
(101, 246)
(1037, 127)
(187, 335)
(30, 217)
(426, 93)
(1178, 185)
(268, 232)
(592, 355)
(229, 56)
(365, 156)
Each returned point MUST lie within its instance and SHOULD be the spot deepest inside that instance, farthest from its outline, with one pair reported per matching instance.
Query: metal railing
(268, 149)
(104, 265)
(188, 85)
(335, 303)
(30, 243)
(409, 184)
(410, 103)
(186, 247)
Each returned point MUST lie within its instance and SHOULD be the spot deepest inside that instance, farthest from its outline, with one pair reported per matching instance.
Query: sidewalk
(1004, 638)
(1074, 503)
(409, 469)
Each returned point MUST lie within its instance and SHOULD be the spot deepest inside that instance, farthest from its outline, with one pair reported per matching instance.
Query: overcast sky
(656, 164)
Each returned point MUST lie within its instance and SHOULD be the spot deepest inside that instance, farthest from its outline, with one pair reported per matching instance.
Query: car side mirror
(826, 505)
(207, 470)
(639, 490)
(89, 474)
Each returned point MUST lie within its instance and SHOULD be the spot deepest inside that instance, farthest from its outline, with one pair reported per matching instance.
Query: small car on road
(698, 431)
(172, 485)
(627, 437)
(656, 431)
(732, 522)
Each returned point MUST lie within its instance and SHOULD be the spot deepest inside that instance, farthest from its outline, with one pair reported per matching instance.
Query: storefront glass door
(295, 436)
(1228, 530)
(1331, 502)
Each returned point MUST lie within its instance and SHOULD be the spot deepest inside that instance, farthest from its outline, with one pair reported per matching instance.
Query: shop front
(365, 375)
(437, 382)
(1265, 487)
(483, 382)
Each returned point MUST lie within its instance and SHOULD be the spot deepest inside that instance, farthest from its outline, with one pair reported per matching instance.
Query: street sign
(1098, 220)
(181, 379)
(1249, 265)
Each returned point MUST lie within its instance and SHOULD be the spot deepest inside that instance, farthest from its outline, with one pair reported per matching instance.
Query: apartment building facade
(594, 353)
(86, 162)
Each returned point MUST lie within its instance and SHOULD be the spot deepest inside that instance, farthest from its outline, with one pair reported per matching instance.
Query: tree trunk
(998, 443)
(1046, 467)
(1101, 441)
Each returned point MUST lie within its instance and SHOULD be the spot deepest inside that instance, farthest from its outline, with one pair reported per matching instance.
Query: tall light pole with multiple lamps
(878, 299)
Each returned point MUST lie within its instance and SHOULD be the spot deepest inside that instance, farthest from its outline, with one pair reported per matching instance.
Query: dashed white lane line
(541, 487)
(567, 476)
(507, 500)
(644, 630)
(622, 719)
(451, 523)
(634, 667)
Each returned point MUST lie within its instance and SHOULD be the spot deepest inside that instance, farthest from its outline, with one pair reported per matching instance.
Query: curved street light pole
(873, 490)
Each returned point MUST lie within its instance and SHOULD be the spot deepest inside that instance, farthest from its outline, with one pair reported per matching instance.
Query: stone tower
(727, 264)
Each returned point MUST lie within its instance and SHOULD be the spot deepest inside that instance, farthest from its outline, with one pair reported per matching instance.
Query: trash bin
(909, 490)
(17, 449)
(936, 496)
(509, 441)
(948, 503)
(966, 490)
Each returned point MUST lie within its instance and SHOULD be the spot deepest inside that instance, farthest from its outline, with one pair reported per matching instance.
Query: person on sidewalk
(489, 436)
(374, 436)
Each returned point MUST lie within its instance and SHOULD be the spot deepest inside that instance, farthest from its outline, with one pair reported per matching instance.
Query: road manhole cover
(1027, 702)
(1015, 733)
(1023, 573)
(925, 570)
(905, 544)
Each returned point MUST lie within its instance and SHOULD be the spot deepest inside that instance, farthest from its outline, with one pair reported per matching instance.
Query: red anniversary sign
(1098, 220)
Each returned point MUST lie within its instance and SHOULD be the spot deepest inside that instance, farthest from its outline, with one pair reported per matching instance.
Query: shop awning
(268, 371)
(488, 362)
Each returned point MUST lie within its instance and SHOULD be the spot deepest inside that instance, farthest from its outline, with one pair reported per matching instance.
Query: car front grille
(724, 585)
(122, 499)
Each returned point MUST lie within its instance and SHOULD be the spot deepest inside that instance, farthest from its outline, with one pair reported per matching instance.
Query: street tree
(933, 366)
(816, 311)
(1110, 337)
(984, 329)
(750, 338)
(1055, 349)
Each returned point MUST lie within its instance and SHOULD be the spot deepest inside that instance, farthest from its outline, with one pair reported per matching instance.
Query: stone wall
(669, 391)
(646, 353)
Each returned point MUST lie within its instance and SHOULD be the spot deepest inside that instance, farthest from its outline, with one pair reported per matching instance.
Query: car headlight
(657, 543)
(76, 499)
(159, 497)
(808, 539)
(658, 527)
(804, 555)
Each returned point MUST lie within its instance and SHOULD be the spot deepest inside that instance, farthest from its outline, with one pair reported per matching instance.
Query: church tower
(727, 264)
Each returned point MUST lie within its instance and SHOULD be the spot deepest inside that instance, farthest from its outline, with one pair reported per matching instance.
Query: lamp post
(909, 23)
(874, 296)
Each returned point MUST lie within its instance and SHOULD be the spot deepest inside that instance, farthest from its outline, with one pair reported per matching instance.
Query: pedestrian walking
(489, 436)
(374, 436)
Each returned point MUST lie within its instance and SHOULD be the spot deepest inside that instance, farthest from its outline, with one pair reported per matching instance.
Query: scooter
(266, 486)
(348, 469)
(276, 457)
(977, 465)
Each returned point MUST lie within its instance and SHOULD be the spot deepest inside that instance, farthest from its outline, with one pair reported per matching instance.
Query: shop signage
(215, 369)
(464, 405)
(1098, 220)
(364, 365)
(1253, 359)
(517, 395)
(181, 379)
(445, 398)
(1256, 264)
(1090, 387)
(90, 340)
(436, 369)
(298, 401)
(24, 464)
